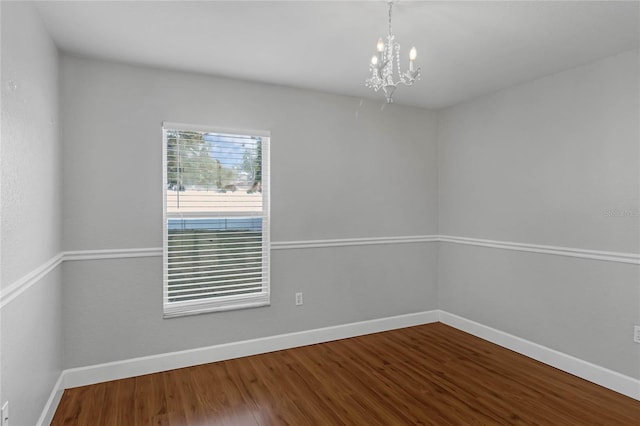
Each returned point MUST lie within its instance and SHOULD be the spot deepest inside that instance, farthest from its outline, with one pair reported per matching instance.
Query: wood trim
(23, 284)
(92, 374)
(426, 374)
(594, 373)
(18, 287)
(155, 363)
(112, 253)
(610, 256)
(81, 376)
(343, 242)
(50, 407)
(144, 365)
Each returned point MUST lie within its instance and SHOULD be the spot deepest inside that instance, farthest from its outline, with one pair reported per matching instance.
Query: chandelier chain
(390, 7)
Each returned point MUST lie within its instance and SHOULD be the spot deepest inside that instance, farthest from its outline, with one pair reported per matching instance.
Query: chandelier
(382, 69)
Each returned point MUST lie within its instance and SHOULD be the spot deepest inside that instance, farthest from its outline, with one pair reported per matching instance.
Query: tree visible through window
(216, 235)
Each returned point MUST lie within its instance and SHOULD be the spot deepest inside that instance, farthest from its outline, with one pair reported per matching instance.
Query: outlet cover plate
(636, 333)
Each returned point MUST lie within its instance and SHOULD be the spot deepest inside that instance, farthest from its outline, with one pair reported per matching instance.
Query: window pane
(213, 172)
(214, 257)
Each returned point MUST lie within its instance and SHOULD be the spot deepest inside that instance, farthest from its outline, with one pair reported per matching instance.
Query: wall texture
(31, 192)
(340, 168)
(552, 162)
(30, 188)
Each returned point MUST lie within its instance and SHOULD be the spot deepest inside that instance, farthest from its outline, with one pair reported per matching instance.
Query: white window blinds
(216, 220)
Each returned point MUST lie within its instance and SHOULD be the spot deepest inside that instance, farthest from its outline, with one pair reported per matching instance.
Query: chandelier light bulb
(413, 54)
(374, 60)
(380, 45)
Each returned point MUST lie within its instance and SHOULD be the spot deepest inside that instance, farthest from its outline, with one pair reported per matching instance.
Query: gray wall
(540, 163)
(31, 192)
(340, 168)
(545, 163)
(32, 348)
(31, 336)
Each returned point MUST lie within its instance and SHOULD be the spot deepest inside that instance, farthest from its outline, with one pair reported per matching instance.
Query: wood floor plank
(149, 399)
(425, 375)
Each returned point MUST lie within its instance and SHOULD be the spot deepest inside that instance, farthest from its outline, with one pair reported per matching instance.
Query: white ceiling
(465, 49)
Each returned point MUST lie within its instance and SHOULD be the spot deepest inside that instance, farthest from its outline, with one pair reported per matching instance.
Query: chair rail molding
(610, 256)
(22, 284)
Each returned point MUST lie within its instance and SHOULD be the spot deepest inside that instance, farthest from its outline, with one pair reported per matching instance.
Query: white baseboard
(602, 376)
(89, 375)
(83, 376)
(52, 403)
(155, 363)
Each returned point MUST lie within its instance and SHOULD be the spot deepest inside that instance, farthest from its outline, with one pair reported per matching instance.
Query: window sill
(173, 311)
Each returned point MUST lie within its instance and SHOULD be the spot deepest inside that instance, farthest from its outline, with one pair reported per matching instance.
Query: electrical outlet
(636, 333)
(299, 300)
(4, 420)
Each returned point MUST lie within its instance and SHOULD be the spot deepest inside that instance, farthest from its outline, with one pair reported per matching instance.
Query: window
(216, 219)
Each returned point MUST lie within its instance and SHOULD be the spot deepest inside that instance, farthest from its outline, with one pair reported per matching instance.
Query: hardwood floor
(425, 375)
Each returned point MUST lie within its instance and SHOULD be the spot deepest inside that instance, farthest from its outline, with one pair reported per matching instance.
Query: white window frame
(219, 303)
